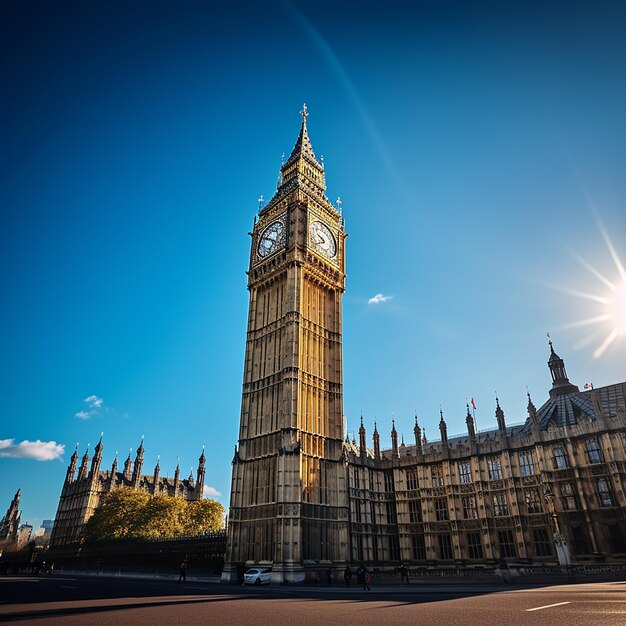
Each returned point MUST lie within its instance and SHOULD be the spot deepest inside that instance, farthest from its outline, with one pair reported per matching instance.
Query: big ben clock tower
(288, 503)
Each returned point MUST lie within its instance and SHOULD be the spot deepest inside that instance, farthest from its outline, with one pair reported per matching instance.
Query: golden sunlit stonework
(289, 501)
(550, 491)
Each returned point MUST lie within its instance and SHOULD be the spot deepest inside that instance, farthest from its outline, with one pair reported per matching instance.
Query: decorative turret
(114, 467)
(417, 432)
(443, 429)
(560, 383)
(500, 416)
(97, 458)
(469, 420)
(71, 468)
(424, 440)
(200, 474)
(82, 472)
(128, 465)
(190, 479)
(138, 464)
(155, 476)
(394, 439)
(362, 440)
(376, 441)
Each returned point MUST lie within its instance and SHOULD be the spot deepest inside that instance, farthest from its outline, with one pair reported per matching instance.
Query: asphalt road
(79, 600)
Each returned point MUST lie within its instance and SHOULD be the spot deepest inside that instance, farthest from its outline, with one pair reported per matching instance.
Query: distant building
(80, 495)
(9, 524)
(44, 531)
(24, 534)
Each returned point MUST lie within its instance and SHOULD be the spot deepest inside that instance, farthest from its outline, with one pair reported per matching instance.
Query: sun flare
(612, 300)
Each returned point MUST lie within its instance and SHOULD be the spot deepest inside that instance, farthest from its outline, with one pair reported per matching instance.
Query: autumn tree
(126, 513)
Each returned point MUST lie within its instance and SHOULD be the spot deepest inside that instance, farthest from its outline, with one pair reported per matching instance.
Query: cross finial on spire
(339, 203)
(304, 112)
(260, 201)
(550, 342)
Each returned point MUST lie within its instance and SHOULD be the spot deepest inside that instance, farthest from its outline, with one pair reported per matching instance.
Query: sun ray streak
(586, 296)
(606, 343)
(593, 270)
(616, 259)
(587, 322)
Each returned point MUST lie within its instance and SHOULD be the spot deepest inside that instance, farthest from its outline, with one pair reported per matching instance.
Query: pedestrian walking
(404, 574)
(183, 572)
(367, 577)
(359, 575)
(347, 575)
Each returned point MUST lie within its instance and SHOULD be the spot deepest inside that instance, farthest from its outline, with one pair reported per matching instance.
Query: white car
(257, 576)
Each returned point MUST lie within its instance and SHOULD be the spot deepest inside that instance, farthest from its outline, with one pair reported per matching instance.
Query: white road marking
(548, 606)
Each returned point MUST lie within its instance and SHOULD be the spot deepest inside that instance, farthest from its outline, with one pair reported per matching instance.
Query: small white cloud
(210, 492)
(38, 450)
(94, 401)
(95, 408)
(379, 298)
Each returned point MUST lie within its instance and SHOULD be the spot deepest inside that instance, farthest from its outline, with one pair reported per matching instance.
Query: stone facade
(549, 490)
(498, 495)
(289, 504)
(81, 493)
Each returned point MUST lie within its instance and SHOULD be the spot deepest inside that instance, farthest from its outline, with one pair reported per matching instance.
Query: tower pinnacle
(560, 383)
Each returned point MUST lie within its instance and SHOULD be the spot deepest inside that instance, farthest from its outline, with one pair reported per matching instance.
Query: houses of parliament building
(549, 491)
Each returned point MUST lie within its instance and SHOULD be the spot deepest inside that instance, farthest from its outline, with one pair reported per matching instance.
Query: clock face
(271, 239)
(322, 240)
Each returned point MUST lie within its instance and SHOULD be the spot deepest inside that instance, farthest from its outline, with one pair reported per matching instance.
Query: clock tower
(289, 501)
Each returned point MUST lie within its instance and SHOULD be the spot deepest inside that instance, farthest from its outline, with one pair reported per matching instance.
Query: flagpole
(474, 412)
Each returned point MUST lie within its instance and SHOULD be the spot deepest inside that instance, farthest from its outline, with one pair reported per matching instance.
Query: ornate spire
(303, 147)
(71, 468)
(500, 416)
(376, 441)
(98, 448)
(97, 458)
(202, 458)
(560, 383)
(362, 440)
(443, 428)
(469, 420)
(394, 438)
(302, 166)
(140, 448)
(82, 471)
(417, 431)
(127, 465)
(532, 411)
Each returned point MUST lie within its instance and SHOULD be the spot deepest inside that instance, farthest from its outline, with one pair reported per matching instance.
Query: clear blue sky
(474, 146)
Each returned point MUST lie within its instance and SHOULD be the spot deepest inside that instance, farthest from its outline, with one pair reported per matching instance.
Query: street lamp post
(562, 549)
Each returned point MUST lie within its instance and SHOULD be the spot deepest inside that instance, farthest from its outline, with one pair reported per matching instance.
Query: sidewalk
(412, 588)
(173, 577)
